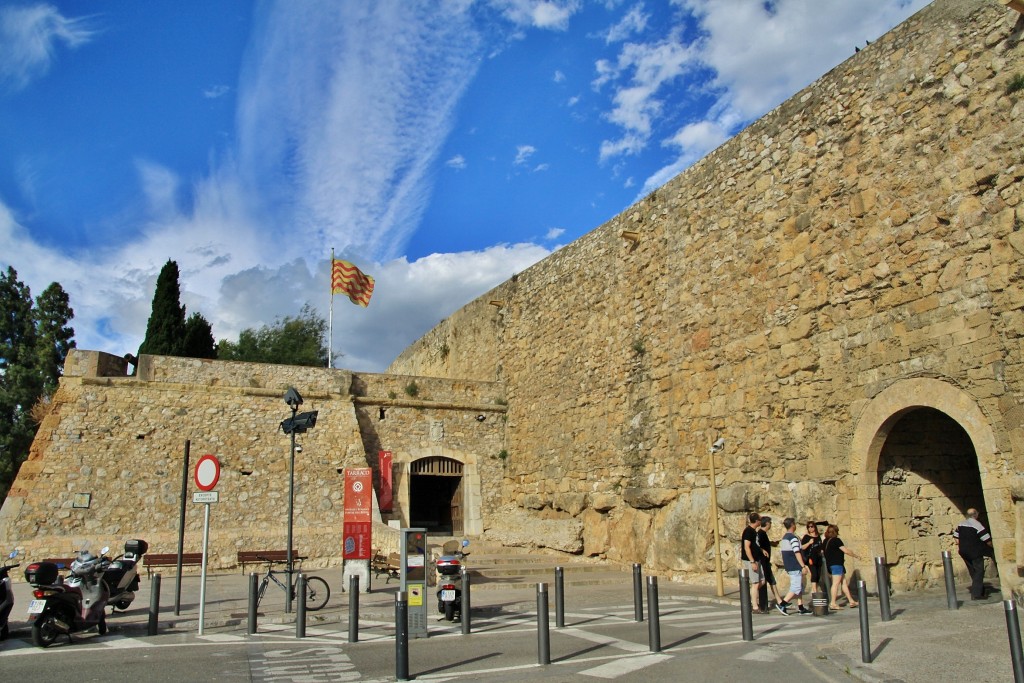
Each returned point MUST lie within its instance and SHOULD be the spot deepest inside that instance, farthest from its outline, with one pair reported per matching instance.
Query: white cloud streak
(29, 38)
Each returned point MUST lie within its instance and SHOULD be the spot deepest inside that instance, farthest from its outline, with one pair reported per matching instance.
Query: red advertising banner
(386, 492)
(358, 513)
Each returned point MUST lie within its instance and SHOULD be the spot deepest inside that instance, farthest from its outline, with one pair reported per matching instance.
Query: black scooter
(70, 605)
(6, 595)
(122, 575)
(449, 579)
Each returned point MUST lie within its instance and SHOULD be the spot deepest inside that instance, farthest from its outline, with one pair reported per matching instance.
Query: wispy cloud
(458, 162)
(29, 38)
(216, 91)
(633, 22)
(545, 14)
(523, 154)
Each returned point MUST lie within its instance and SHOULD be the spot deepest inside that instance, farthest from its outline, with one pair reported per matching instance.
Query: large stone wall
(121, 440)
(854, 254)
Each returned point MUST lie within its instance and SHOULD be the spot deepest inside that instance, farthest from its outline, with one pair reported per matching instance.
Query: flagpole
(330, 318)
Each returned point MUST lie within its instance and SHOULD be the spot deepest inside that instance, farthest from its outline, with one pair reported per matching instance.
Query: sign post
(207, 475)
(357, 525)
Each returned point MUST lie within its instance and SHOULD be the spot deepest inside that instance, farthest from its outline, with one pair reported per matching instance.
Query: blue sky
(441, 145)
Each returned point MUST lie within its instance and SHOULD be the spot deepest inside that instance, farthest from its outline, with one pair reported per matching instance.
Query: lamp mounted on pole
(716, 447)
(298, 423)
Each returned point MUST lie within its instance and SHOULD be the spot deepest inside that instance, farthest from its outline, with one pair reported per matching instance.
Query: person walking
(835, 552)
(811, 546)
(765, 545)
(793, 562)
(973, 543)
(750, 553)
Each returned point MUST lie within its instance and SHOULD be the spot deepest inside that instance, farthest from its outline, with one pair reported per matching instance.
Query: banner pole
(330, 318)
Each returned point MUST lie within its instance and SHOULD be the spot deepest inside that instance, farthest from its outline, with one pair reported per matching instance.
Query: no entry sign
(207, 472)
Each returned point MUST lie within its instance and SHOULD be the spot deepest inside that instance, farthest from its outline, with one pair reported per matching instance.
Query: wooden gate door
(457, 509)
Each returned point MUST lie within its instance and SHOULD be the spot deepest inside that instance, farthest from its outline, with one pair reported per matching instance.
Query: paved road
(700, 641)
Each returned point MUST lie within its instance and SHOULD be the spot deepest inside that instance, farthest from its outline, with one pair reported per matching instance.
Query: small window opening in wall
(140, 436)
(340, 470)
(381, 414)
(245, 473)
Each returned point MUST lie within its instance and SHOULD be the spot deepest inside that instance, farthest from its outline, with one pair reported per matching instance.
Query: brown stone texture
(865, 233)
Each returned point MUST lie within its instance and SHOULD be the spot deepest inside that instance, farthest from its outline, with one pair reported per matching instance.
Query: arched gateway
(922, 453)
(439, 489)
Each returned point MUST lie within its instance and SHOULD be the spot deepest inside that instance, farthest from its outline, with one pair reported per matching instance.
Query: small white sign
(206, 497)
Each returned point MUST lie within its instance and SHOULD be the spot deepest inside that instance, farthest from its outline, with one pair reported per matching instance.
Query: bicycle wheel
(317, 593)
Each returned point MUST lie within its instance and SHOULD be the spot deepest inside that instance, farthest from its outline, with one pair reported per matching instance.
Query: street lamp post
(298, 423)
(720, 585)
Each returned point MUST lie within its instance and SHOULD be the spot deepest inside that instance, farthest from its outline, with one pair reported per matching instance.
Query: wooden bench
(154, 560)
(390, 565)
(257, 556)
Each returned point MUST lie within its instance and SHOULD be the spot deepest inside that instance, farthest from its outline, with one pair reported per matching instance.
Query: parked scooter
(71, 605)
(6, 595)
(449, 591)
(122, 576)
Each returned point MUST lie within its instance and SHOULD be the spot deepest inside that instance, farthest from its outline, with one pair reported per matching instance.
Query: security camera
(298, 448)
(718, 445)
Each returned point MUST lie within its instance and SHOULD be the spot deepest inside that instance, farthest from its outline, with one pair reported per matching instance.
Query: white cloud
(554, 233)
(216, 91)
(633, 21)
(29, 38)
(458, 162)
(545, 14)
(558, 77)
(523, 154)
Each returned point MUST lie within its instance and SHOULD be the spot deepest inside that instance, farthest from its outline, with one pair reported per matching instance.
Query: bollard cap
(1009, 605)
(400, 596)
(542, 587)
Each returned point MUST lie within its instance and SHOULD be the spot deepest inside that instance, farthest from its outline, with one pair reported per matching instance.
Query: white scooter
(122, 575)
(6, 595)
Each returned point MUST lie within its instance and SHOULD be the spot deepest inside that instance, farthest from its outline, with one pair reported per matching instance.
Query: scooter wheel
(4, 632)
(101, 627)
(45, 631)
(449, 611)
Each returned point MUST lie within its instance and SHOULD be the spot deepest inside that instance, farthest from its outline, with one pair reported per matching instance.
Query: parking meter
(414, 579)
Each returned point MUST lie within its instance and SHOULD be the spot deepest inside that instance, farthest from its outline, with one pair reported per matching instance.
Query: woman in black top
(835, 558)
(811, 546)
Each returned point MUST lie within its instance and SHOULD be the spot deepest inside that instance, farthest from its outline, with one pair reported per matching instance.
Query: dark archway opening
(927, 476)
(435, 495)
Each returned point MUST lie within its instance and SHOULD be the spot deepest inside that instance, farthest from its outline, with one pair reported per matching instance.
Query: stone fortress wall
(837, 291)
(121, 440)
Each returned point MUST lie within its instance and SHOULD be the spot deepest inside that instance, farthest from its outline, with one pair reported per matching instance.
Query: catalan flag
(348, 280)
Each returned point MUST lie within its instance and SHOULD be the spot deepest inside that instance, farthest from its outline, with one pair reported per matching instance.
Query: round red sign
(207, 472)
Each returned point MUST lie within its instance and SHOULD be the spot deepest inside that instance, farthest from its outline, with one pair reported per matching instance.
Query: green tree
(54, 339)
(165, 331)
(198, 341)
(33, 343)
(300, 340)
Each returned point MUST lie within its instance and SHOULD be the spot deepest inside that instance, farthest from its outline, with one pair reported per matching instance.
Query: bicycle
(317, 590)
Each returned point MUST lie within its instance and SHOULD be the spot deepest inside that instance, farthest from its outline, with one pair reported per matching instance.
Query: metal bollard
(300, 612)
(466, 604)
(653, 617)
(882, 579)
(543, 637)
(1013, 631)
(947, 570)
(559, 597)
(353, 608)
(253, 599)
(638, 593)
(401, 636)
(746, 617)
(865, 635)
(154, 607)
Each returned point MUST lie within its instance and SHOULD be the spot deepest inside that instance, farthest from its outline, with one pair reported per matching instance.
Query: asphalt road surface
(700, 641)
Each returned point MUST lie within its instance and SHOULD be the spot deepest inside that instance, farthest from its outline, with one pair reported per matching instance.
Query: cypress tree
(165, 331)
(198, 341)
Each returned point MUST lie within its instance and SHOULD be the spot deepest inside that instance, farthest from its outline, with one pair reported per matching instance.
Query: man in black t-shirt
(750, 554)
(974, 543)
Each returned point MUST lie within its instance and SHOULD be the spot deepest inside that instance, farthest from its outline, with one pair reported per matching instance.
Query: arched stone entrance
(440, 489)
(922, 452)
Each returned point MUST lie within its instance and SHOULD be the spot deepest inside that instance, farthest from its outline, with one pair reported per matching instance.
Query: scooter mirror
(14, 554)
(465, 543)
(105, 550)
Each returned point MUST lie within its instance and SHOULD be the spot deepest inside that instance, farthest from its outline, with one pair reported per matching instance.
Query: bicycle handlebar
(297, 558)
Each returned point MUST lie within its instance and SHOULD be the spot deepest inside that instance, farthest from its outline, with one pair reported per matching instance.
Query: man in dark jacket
(974, 543)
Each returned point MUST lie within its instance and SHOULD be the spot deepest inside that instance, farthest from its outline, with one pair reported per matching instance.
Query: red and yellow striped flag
(349, 280)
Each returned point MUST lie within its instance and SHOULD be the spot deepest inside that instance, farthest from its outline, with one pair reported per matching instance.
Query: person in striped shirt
(793, 563)
(973, 544)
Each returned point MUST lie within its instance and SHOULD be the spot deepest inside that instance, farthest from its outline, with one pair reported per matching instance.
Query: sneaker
(804, 610)
(782, 608)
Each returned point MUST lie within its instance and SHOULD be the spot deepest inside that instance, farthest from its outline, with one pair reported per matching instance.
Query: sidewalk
(925, 641)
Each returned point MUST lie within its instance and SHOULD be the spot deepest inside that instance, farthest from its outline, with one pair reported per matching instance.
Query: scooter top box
(41, 573)
(448, 566)
(136, 546)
